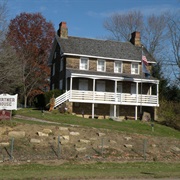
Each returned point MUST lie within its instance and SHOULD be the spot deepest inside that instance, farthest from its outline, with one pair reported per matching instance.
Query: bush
(41, 101)
(169, 114)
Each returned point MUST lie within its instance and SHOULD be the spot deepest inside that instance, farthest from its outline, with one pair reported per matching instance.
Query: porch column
(150, 90)
(115, 90)
(157, 93)
(92, 110)
(71, 81)
(137, 91)
(94, 88)
(93, 98)
(136, 112)
(114, 110)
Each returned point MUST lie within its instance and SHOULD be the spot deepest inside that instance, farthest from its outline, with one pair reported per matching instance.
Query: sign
(8, 102)
(5, 115)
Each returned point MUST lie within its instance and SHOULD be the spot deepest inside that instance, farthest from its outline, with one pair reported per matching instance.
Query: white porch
(93, 94)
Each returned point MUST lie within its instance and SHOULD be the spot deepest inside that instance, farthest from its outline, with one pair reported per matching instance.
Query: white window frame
(84, 66)
(116, 69)
(101, 67)
(134, 70)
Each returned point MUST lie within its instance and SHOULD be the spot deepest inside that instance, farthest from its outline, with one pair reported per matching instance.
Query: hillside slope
(32, 142)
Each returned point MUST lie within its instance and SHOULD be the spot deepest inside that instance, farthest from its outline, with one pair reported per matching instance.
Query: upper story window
(84, 64)
(101, 65)
(134, 68)
(117, 67)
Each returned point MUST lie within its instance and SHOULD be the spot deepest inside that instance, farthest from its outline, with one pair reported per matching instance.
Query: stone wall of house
(103, 110)
(73, 62)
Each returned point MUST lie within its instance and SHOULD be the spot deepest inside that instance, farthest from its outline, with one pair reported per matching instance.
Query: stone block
(84, 141)
(81, 149)
(128, 145)
(47, 131)
(33, 140)
(101, 134)
(41, 134)
(4, 144)
(74, 133)
(17, 134)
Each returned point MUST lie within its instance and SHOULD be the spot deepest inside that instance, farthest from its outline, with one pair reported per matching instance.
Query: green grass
(96, 170)
(129, 126)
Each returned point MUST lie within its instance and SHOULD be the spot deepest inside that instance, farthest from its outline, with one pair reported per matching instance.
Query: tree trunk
(25, 101)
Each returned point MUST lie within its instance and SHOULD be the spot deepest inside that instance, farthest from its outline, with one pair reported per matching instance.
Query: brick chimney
(136, 38)
(63, 30)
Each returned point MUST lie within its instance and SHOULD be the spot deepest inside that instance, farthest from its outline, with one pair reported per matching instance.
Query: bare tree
(122, 25)
(10, 69)
(152, 28)
(174, 40)
(155, 33)
(3, 21)
(9, 66)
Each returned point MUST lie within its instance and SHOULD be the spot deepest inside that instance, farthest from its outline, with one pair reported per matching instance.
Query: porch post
(93, 88)
(71, 81)
(150, 90)
(135, 112)
(137, 91)
(114, 110)
(115, 90)
(157, 93)
(92, 110)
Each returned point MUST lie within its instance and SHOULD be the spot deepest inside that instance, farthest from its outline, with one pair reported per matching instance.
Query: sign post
(7, 104)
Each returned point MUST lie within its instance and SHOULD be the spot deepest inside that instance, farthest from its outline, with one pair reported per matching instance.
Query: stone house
(102, 78)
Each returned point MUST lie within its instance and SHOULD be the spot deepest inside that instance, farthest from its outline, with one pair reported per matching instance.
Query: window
(118, 67)
(53, 69)
(101, 66)
(52, 86)
(60, 84)
(84, 64)
(54, 55)
(134, 68)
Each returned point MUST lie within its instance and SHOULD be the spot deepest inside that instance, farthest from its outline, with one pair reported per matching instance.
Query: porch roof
(110, 76)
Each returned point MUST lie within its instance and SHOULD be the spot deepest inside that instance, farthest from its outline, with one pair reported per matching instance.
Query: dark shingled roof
(102, 48)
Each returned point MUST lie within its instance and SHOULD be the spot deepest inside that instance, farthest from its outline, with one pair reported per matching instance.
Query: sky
(85, 18)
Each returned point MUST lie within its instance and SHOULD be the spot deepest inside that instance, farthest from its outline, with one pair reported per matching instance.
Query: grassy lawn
(91, 170)
(129, 126)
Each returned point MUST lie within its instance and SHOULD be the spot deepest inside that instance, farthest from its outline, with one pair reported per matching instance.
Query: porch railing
(107, 98)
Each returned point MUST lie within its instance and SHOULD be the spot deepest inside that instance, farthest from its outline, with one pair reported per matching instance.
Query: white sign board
(8, 102)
